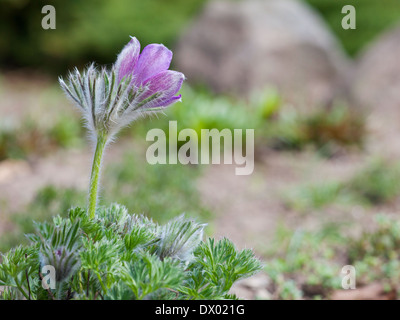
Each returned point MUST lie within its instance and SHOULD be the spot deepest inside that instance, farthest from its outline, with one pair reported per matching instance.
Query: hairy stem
(95, 175)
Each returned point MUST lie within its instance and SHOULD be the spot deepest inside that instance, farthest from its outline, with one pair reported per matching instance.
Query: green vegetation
(308, 265)
(373, 17)
(276, 125)
(329, 131)
(86, 30)
(48, 202)
(202, 110)
(301, 264)
(378, 183)
(375, 184)
(376, 254)
(31, 123)
(316, 196)
(29, 139)
(117, 256)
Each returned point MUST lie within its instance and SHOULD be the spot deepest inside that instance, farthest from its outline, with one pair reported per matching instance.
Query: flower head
(137, 84)
(64, 261)
(179, 238)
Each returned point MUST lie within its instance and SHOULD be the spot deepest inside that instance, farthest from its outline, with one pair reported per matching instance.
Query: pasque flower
(137, 84)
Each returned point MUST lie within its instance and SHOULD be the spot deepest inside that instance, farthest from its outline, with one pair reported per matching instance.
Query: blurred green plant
(28, 138)
(48, 202)
(316, 196)
(329, 131)
(304, 264)
(376, 254)
(202, 110)
(378, 183)
(85, 30)
(373, 17)
(375, 184)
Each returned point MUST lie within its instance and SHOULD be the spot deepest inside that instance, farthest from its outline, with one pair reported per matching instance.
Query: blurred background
(324, 103)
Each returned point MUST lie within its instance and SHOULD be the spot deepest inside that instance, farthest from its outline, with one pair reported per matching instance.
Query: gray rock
(376, 81)
(242, 46)
(376, 90)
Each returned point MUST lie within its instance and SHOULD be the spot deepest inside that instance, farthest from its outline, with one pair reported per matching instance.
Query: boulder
(376, 89)
(242, 46)
(376, 80)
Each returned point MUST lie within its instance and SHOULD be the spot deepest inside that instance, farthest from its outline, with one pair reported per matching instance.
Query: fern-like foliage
(118, 255)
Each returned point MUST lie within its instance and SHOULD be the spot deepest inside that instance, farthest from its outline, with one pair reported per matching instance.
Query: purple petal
(127, 59)
(154, 59)
(166, 84)
(166, 102)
